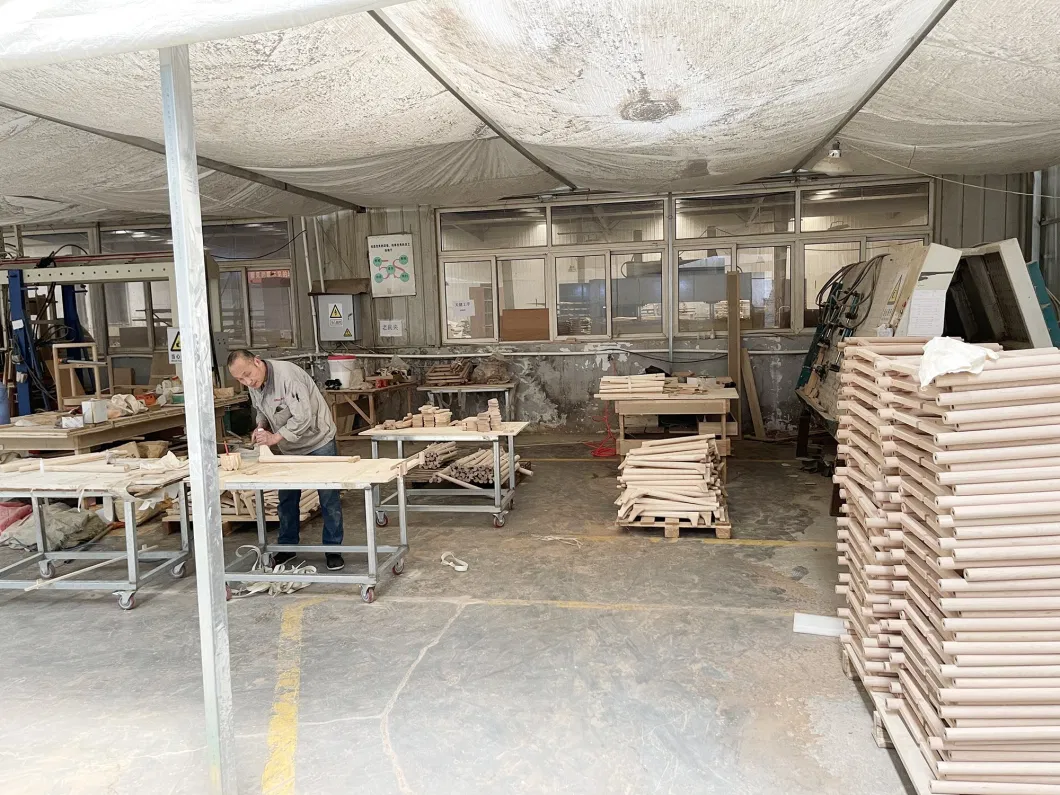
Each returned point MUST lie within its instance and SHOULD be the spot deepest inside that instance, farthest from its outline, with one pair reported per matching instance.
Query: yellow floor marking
(282, 737)
(629, 607)
(737, 542)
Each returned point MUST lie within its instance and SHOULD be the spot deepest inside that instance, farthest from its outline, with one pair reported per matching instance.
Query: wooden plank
(752, 395)
(683, 406)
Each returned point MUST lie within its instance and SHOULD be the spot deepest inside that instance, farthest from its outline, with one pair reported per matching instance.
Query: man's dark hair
(240, 353)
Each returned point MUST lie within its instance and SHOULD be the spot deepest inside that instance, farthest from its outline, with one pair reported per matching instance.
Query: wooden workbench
(342, 401)
(713, 403)
(81, 440)
(463, 390)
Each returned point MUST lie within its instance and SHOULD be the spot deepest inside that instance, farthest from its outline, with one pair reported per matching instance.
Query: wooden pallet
(672, 526)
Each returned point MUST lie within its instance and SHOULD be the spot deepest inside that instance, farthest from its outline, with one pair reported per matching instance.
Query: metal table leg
(368, 591)
(511, 463)
(47, 568)
(127, 599)
(259, 510)
(498, 488)
(381, 518)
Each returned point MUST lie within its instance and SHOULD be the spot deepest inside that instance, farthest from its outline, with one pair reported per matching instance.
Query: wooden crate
(672, 527)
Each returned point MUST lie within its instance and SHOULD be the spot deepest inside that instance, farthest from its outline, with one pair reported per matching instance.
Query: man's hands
(262, 436)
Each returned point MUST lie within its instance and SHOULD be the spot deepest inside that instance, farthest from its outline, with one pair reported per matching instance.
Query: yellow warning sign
(335, 313)
(173, 338)
(348, 333)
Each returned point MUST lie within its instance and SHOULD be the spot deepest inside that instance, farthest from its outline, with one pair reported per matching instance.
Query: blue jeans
(330, 506)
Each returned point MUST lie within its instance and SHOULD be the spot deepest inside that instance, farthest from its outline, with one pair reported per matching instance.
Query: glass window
(260, 240)
(729, 216)
(701, 289)
(135, 241)
(876, 247)
(868, 207)
(500, 229)
(765, 272)
(63, 244)
(636, 294)
(271, 325)
(469, 300)
(821, 261)
(620, 222)
(521, 290)
(161, 311)
(581, 292)
(232, 307)
(126, 308)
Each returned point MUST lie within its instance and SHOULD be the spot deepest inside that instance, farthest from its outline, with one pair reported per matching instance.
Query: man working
(291, 414)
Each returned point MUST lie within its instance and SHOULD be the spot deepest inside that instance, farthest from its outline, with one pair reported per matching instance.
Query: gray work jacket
(290, 403)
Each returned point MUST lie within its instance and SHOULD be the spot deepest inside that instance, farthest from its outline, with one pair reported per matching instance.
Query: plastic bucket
(340, 368)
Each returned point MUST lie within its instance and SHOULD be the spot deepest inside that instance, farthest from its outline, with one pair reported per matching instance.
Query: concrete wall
(555, 385)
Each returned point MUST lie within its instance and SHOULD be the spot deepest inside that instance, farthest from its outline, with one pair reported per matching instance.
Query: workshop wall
(555, 386)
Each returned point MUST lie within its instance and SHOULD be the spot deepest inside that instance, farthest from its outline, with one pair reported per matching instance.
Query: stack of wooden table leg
(979, 664)
(869, 531)
(674, 484)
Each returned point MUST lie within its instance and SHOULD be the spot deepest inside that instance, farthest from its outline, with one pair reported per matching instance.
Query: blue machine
(29, 370)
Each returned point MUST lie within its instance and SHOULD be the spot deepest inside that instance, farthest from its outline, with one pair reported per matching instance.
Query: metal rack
(365, 476)
(501, 498)
(125, 589)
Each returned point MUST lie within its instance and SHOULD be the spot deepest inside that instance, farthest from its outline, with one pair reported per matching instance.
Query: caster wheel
(368, 595)
(398, 567)
(178, 571)
(47, 569)
(381, 519)
(498, 520)
(127, 601)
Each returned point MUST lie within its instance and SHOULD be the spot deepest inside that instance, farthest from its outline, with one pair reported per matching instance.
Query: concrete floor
(627, 664)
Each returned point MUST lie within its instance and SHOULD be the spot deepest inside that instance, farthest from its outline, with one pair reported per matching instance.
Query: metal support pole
(1036, 222)
(22, 339)
(511, 463)
(192, 304)
(259, 514)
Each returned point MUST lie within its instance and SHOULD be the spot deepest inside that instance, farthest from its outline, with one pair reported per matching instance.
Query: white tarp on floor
(619, 95)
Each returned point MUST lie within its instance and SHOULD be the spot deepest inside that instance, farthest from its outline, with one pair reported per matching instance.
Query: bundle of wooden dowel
(478, 467)
(676, 478)
(869, 479)
(632, 386)
(453, 374)
(978, 657)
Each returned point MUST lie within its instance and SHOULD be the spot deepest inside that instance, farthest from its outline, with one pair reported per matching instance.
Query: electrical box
(339, 318)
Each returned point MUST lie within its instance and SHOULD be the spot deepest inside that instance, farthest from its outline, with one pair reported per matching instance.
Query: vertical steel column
(190, 276)
(497, 498)
(132, 553)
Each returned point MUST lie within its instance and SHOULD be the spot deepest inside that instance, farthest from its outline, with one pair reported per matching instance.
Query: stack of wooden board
(674, 484)
(979, 663)
(428, 416)
(870, 531)
(453, 374)
(630, 387)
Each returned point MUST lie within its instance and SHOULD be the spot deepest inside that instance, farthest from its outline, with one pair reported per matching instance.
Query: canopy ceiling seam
(421, 58)
(205, 162)
(896, 63)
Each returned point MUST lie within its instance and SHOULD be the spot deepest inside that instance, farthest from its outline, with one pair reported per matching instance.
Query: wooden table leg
(371, 411)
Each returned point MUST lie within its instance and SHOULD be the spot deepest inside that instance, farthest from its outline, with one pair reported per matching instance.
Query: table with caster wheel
(340, 473)
(140, 565)
(497, 500)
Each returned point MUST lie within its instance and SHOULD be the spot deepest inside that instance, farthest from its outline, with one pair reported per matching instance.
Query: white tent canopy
(615, 95)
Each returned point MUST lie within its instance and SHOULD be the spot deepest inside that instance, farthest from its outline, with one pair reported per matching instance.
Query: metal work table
(364, 475)
(461, 391)
(348, 399)
(40, 487)
(502, 498)
(82, 440)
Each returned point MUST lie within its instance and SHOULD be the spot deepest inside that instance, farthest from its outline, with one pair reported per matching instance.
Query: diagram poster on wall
(390, 265)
